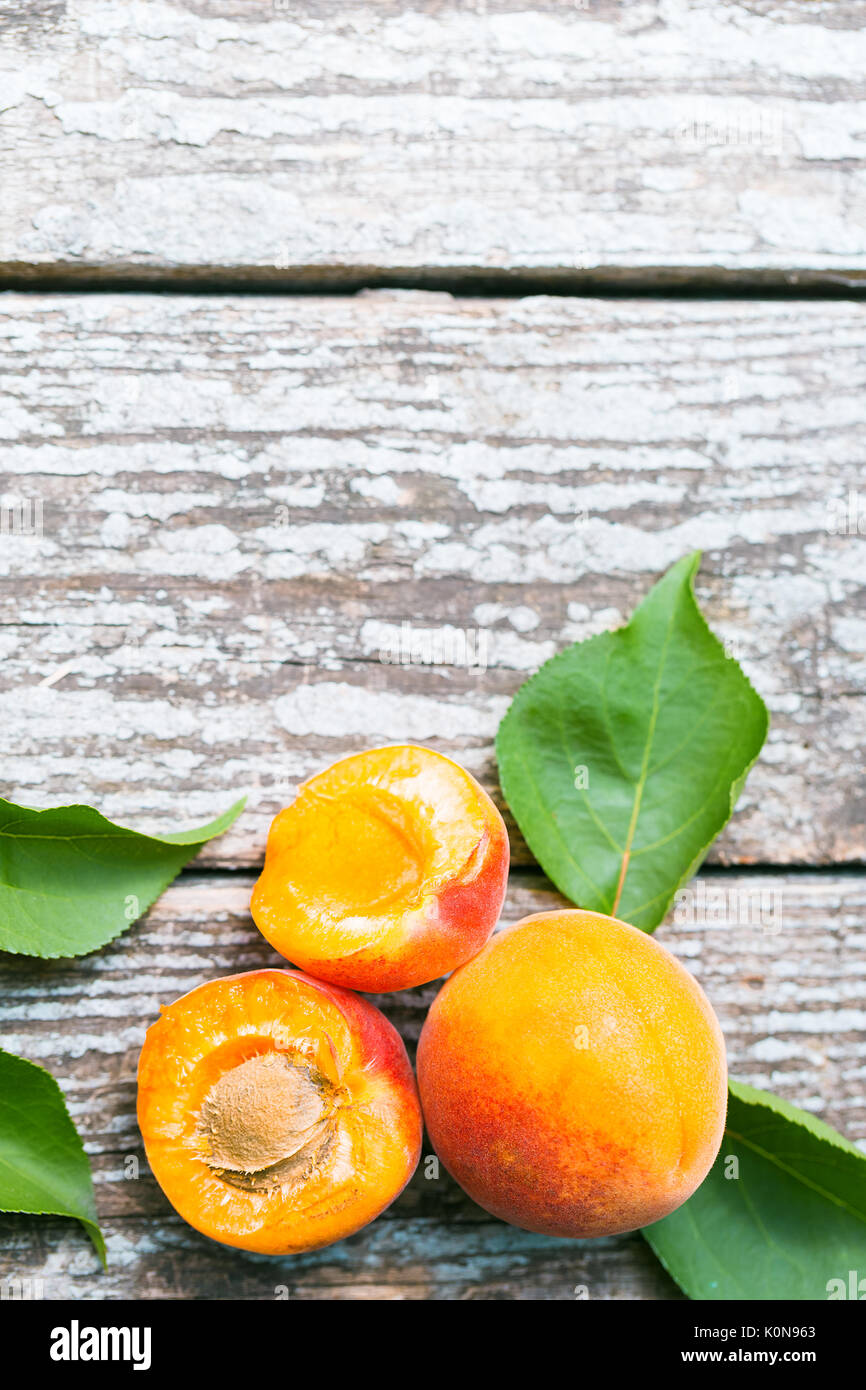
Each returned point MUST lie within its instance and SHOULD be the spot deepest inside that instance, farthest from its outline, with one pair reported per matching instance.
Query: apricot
(388, 870)
(573, 1077)
(278, 1113)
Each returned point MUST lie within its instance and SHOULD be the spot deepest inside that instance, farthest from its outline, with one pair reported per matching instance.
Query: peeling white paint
(215, 519)
(337, 710)
(672, 133)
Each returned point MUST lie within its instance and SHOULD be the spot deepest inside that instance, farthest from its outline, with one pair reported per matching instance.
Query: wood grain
(782, 957)
(269, 530)
(248, 503)
(259, 139)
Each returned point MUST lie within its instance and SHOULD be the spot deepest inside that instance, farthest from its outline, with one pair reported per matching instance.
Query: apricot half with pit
(388, 870)
(573, 1077)
(278, 1113)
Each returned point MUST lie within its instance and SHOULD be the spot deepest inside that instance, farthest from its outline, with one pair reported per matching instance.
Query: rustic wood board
(246, 499)
(258, 139)
(782, 957)
(275, 530)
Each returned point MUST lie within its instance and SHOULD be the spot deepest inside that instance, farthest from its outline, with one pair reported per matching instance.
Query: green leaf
(43, 1168)
(623, 756)
(790, 1222)
(70, 880)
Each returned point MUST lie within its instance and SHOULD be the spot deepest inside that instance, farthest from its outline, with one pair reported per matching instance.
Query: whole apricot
(278, 1113)
(573, 1077)
(388, 870)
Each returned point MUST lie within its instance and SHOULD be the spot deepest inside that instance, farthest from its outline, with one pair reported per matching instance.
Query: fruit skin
(573, 1077)
(427, 854)
(379, 1126)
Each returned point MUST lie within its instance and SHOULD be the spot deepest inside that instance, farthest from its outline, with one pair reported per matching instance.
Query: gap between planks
(626, 282)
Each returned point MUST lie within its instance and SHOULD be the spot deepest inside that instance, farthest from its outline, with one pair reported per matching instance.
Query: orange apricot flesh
(388, 870)
(573, 1077)
(279, 1114)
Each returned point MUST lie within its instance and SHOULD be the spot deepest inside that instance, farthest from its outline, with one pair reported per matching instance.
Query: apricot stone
(388, 870)
(573, 1077)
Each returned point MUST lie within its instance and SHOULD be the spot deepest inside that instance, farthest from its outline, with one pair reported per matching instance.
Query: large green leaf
(782, 1213)
(70, 880)
(43, 1167)
(623, 756)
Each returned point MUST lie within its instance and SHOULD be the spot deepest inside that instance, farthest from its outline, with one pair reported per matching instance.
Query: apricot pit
(266, 1120)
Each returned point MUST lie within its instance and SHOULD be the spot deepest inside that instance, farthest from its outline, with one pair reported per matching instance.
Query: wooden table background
(610, 259)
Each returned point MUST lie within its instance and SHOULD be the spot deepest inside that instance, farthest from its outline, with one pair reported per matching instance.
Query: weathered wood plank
(602, 138)
(401, 1256)
(246, 501)
(783, 959)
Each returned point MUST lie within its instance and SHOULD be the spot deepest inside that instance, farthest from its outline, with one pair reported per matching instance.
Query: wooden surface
(263, 138)
(276, 528)
(792, 1003)
(246, 500)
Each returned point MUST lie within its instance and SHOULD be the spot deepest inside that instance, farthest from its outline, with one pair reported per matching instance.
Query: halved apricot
(388, 870)
(278, 1113)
